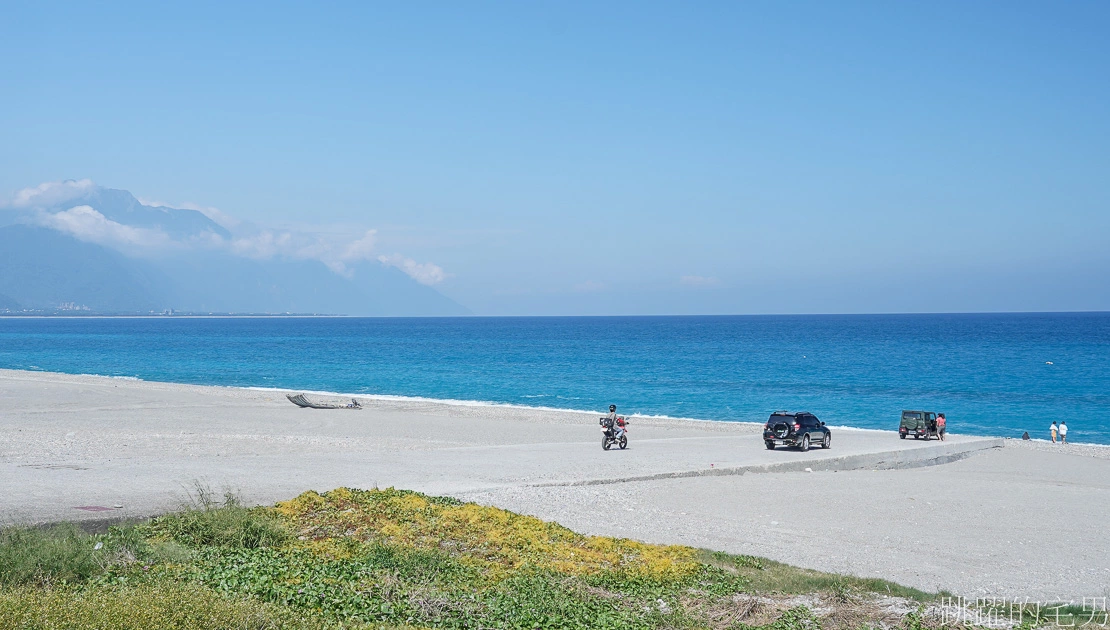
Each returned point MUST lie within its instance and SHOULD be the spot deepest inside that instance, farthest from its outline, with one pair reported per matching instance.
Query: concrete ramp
(817, 460)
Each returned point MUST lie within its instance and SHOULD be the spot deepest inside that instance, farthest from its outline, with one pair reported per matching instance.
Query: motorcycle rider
(611, 423)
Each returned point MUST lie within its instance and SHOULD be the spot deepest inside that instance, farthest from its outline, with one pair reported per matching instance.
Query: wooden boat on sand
(300, 401)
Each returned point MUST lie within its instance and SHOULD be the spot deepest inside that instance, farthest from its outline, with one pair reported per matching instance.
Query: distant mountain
(122, 207)
(8, 304)
(46, 270)
(54, 255)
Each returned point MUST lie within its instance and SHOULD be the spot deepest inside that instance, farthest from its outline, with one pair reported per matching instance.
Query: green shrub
(226, 523)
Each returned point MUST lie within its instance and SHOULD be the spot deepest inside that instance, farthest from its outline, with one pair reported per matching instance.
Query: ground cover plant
(394, 558)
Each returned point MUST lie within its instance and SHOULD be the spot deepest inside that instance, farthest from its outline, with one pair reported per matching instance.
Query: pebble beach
(972, 516)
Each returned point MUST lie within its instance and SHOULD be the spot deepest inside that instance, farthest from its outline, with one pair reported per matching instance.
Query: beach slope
(968, 515)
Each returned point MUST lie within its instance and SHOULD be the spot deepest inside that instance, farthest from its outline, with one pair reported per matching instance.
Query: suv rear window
(912, 415)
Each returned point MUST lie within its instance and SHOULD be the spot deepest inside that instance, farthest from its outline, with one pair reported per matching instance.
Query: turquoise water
(992, 374)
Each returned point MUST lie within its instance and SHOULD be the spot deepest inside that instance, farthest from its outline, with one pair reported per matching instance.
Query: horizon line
(626, 316)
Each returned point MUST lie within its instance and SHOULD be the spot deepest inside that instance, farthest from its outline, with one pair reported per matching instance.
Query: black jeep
(796, 429)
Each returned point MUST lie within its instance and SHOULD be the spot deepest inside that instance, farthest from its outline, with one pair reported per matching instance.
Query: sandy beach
(973, 516)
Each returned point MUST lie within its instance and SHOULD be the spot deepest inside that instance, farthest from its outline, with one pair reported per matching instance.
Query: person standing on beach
(941, 426)
(1063, 431)
(1053, 429)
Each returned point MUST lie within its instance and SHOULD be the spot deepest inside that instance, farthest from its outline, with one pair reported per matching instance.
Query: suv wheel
(827, 442)
(770, 444)
(805, 443)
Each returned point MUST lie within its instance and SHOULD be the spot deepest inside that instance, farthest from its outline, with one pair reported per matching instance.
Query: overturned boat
(300, 401)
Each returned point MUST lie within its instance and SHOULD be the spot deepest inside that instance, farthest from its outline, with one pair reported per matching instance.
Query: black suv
(796, 429)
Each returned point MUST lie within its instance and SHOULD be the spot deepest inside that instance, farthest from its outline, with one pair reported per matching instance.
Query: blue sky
(625, 158)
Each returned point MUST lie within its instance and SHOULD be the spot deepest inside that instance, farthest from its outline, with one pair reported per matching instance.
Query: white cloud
(336, 253)
(51, 193)
(337, 247)
(361, 249)
(261, 246)
(86, 224)
(424, 273)
(699, 281)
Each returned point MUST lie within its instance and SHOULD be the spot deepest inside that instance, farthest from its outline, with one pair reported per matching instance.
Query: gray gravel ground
(1004, 523)
(1025, 520)
(1072, 448)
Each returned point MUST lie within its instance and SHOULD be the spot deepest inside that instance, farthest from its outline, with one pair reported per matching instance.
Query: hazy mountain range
(75, 246)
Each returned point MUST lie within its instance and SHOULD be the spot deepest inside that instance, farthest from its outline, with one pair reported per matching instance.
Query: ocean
(992, 374)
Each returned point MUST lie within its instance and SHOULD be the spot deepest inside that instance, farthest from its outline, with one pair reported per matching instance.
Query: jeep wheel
(805, 443)
(827, 442)
(770, 444)
(902, 435)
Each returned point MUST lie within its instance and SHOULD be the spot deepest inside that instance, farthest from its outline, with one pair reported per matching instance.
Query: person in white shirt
(1053, 429)
(1063, 432)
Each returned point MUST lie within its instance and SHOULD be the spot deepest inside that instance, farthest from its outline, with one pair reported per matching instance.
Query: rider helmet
(612, 407)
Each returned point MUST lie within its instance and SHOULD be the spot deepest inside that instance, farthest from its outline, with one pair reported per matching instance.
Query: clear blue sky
(580, 158)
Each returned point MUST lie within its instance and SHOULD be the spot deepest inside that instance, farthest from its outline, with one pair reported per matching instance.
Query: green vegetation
(44, 556)
(226, 524)
(64, 555)
(393, 558)
(162, 605)
(768, 576)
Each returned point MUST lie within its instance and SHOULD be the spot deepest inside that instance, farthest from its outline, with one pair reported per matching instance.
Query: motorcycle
(611, 434)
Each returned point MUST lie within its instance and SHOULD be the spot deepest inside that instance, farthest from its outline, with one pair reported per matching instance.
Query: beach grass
(211, 521)
(395, 558)
(768, 576)
(33, 556)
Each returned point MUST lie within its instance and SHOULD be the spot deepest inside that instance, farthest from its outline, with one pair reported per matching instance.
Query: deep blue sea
(993, 374)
